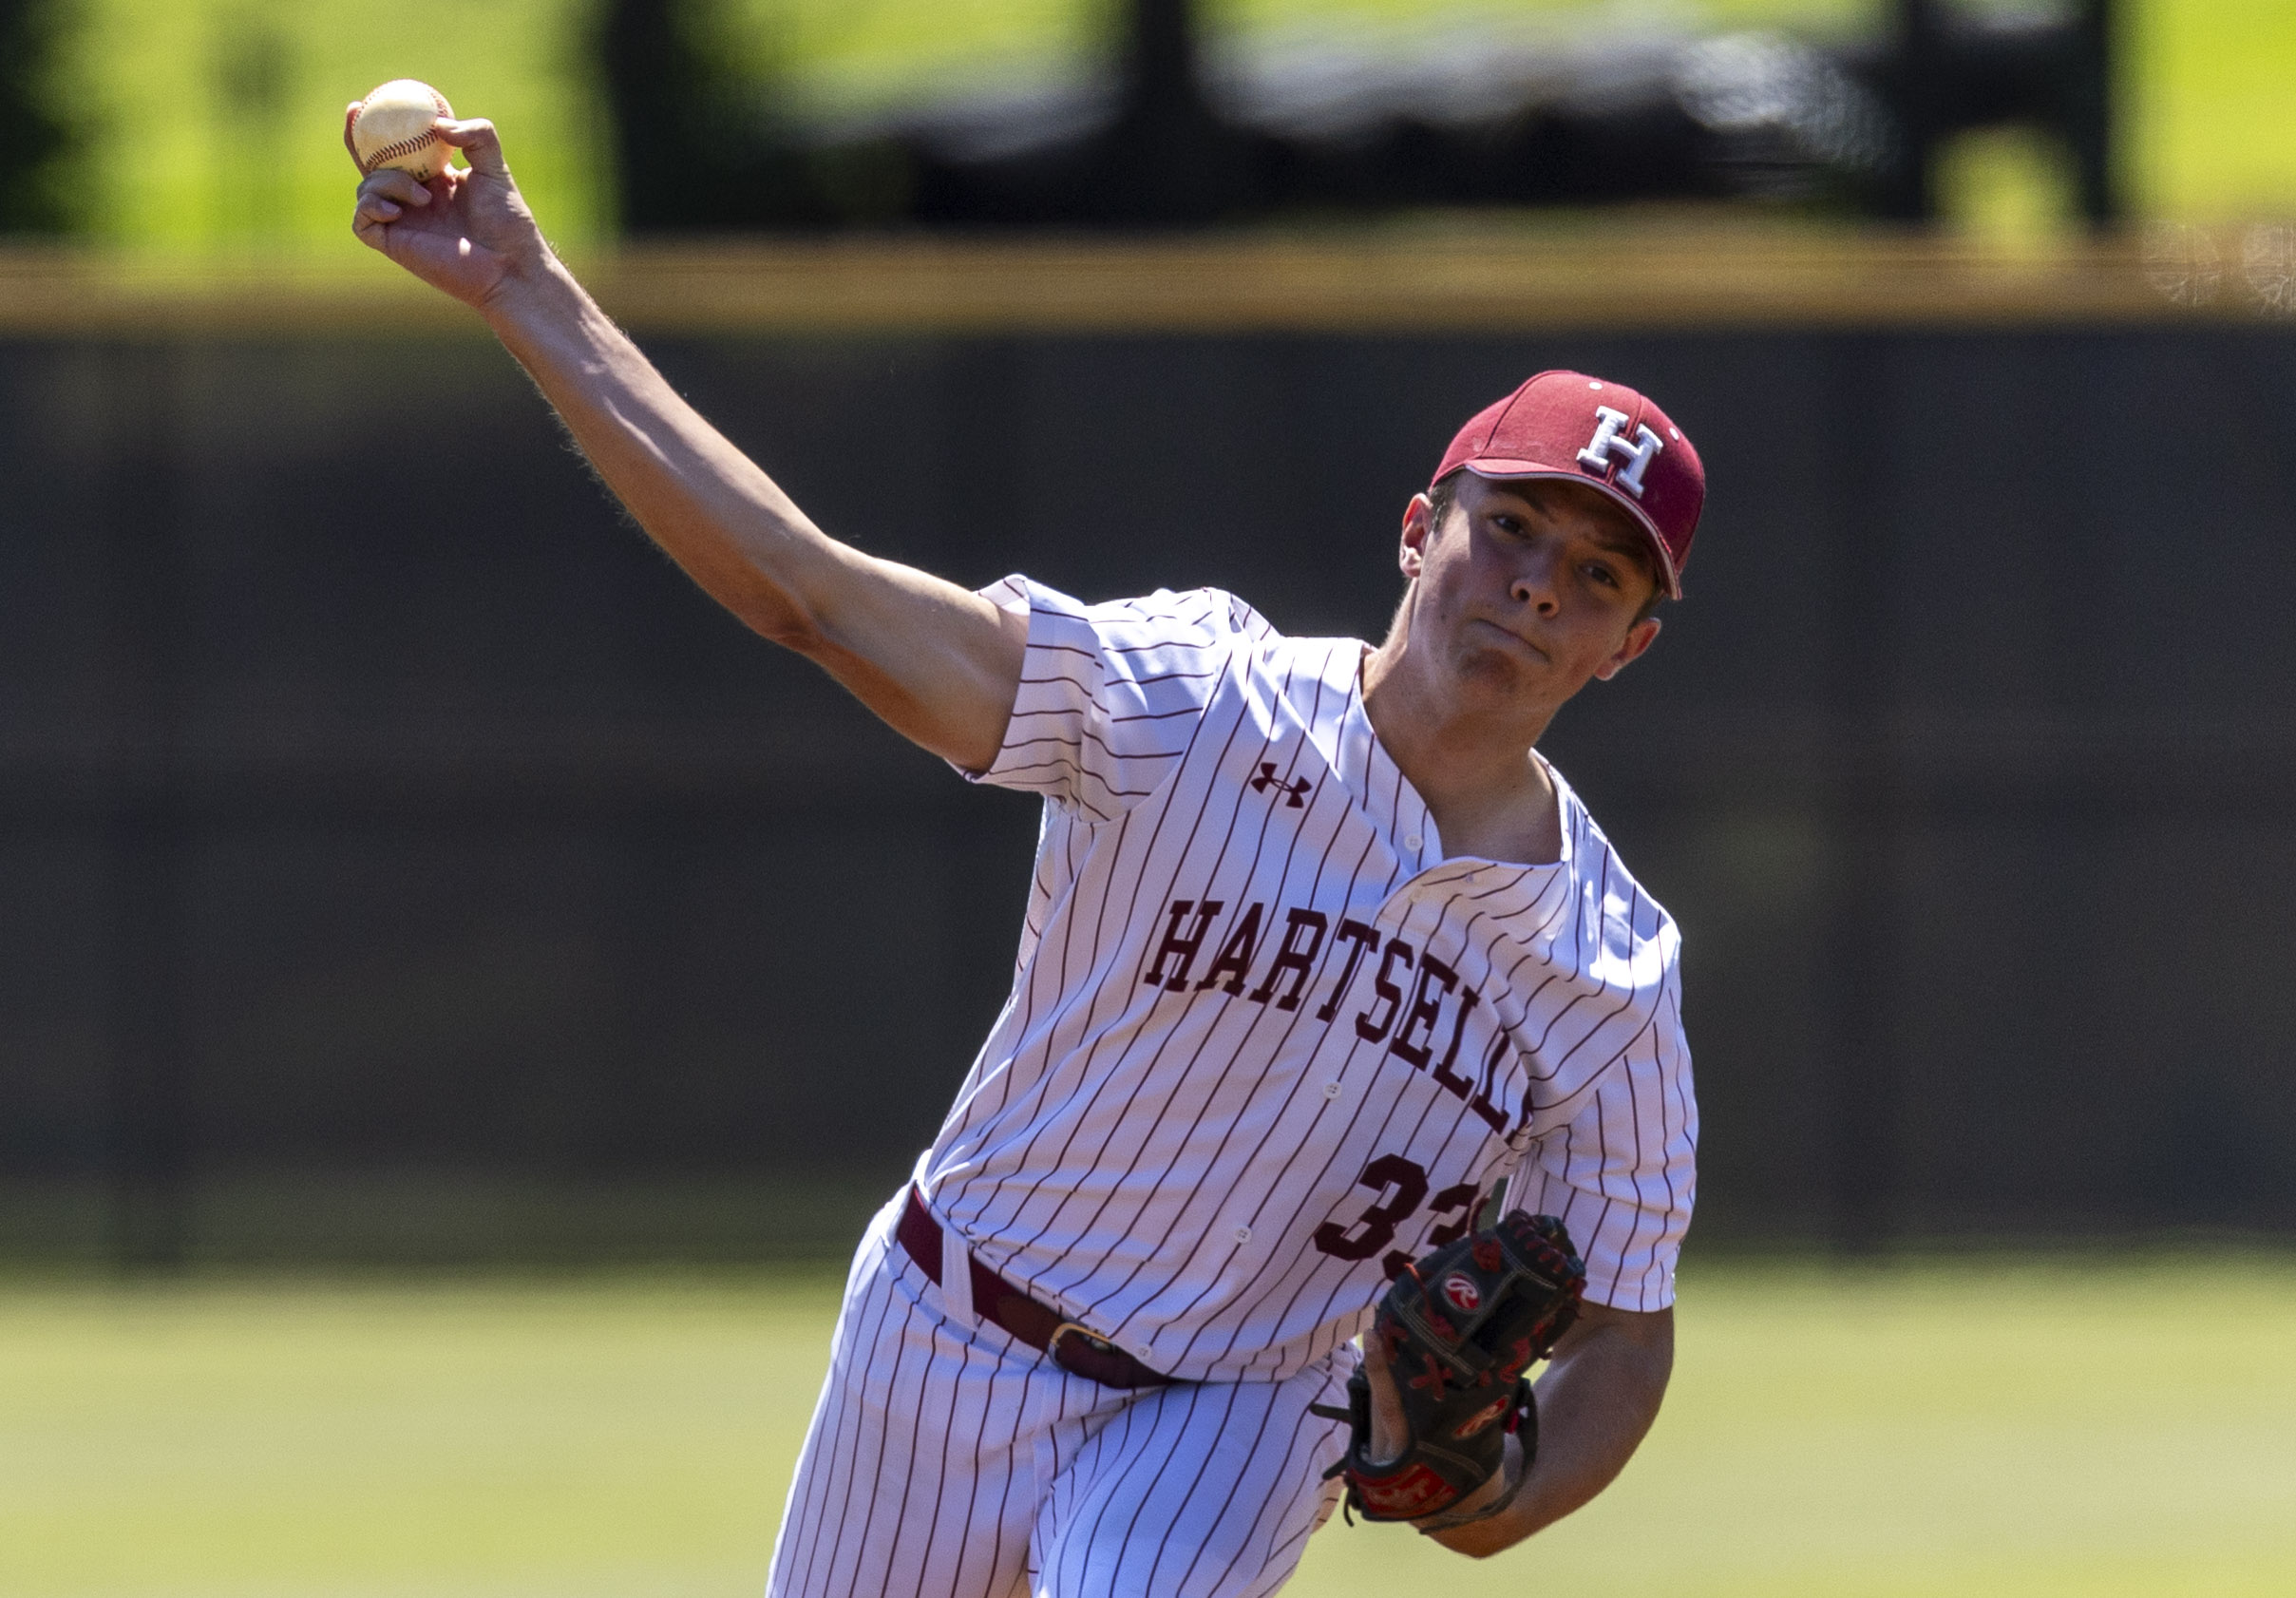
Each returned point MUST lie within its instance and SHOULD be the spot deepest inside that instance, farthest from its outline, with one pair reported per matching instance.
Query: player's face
(1527, 590)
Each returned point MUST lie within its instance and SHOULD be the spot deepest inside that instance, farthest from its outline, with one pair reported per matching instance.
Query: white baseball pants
(948, 1460)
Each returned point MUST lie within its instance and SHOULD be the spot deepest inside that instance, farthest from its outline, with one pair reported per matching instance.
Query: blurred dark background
(400, 862)
(693, 116)
(1164, 131)
(403, 861)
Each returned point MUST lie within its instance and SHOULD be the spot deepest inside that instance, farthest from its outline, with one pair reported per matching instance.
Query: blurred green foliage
(212, 125)
(2210, 117)
(217, 125)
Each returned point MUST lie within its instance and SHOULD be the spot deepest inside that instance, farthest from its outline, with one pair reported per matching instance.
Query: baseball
(391, 127)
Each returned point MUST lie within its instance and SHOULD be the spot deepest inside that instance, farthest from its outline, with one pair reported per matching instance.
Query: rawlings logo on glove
(1460, 1330)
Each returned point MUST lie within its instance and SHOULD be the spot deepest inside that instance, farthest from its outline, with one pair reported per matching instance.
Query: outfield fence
(402, 860)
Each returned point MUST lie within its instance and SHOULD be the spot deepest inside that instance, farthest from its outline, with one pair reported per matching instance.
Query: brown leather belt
(1001, 1304)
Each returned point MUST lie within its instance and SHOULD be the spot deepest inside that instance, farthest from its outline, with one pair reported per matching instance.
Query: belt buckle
(1092, 1339)
(1096, 1359)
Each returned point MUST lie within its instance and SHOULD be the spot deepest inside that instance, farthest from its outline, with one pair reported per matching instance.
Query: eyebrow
(1627, 543)
(1632, 547)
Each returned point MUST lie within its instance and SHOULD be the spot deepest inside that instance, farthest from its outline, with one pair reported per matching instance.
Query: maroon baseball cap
(1568, 425)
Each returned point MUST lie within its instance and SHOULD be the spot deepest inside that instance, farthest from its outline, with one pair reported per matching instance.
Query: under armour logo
(1644, 450)
(1295, 792)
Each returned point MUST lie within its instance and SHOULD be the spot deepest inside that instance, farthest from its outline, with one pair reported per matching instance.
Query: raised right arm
(940, 664)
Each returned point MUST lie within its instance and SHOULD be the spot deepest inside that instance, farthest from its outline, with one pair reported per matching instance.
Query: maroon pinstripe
(1156, 1146)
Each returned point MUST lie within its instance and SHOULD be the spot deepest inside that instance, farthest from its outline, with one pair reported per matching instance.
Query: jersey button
(1413, 842)
(1243, 1234)
(1331, 1089)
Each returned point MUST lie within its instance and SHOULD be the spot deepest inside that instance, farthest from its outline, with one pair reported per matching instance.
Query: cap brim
(1671, 580)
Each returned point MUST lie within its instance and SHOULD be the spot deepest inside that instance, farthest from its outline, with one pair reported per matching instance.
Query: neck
(1487, 795)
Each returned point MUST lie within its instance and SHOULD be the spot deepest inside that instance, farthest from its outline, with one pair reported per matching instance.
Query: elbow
(792, 629)
(780, 617)
(775, 611)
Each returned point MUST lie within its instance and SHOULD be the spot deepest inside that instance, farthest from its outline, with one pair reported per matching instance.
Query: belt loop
(956, 1277)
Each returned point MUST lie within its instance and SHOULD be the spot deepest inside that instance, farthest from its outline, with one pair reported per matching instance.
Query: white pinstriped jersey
(1265, 1042)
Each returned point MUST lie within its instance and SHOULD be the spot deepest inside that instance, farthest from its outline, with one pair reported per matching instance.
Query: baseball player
(1320, 958)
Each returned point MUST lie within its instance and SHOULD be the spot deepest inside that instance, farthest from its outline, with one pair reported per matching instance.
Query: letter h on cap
(1644, 450)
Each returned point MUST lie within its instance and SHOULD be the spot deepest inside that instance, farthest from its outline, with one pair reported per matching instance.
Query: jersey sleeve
(1622, 1174)
(1112, 695)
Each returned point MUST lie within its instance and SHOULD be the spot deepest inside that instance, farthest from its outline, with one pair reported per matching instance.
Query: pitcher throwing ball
(1321, 956)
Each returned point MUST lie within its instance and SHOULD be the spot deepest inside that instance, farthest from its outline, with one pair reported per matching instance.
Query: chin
(1495, 674)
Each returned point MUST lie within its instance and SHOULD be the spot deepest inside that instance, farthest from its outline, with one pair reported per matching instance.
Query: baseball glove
(1461, 1329)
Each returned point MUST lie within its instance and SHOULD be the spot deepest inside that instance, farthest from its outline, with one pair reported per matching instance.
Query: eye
(1597, 572)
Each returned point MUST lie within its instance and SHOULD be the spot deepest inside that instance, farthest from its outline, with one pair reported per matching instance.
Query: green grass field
(2033, 1429)
(175, 163)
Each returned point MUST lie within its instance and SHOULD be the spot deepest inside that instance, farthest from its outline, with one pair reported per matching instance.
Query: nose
(1534, 583)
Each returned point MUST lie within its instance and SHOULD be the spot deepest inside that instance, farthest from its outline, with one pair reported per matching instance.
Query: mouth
(1513, 637)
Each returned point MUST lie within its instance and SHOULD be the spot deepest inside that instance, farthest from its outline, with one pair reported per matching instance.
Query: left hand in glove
(1445, 1378)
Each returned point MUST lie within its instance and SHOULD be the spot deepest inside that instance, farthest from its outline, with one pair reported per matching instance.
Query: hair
(1444, 493)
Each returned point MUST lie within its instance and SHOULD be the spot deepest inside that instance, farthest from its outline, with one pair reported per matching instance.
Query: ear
(1639, 638)
(1418, 532)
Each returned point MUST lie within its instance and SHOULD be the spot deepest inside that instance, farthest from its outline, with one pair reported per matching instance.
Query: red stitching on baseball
(405, 146)
(392, 152)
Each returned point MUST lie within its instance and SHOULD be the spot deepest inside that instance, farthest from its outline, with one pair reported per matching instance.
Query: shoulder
(1200, 635)
(1200, 617)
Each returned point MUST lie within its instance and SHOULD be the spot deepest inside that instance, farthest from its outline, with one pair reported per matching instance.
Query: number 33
(1401, 1185)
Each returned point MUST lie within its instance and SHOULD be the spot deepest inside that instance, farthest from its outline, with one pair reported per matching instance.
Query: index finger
(392, 185)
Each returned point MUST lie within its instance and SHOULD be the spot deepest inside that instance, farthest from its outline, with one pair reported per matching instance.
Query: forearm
(1596, 1402)
(890, 634)
(710, 507)
(940, 663)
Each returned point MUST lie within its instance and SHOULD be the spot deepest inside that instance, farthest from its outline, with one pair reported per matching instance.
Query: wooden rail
(1513, 278)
